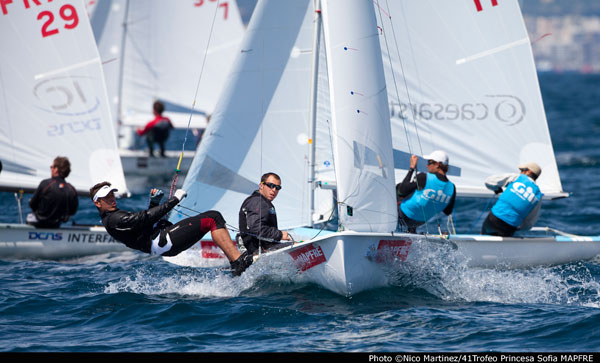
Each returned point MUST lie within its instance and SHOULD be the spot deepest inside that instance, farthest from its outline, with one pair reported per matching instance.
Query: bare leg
(222, 239)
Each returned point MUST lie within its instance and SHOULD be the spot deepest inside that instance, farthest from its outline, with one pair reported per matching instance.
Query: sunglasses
(273, 186)
(429, 162)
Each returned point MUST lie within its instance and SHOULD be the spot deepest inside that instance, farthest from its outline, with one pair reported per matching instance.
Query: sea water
(130, 302)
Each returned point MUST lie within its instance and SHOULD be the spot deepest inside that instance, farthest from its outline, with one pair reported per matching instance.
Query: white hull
(18, 241)
(349, 262)
(138, 163)
(511, 252)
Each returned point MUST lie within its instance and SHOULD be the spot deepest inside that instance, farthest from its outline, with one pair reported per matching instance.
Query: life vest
(430, 200)
(517, 200)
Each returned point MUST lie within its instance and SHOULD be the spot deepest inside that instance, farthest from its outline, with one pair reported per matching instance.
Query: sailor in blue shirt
(518, 207)
(421, 198)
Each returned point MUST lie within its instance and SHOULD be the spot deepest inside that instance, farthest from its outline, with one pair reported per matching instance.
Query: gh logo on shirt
(438, 196)
(523, 192)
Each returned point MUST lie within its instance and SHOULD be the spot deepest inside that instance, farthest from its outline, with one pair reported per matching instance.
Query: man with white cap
(518, 206)
(147, 232)
(428, 194)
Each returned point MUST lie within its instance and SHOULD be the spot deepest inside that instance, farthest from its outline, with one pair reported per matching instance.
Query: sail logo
(397, 248)
(439, 196)
(45, 236)
(308, 257)
(508, 110)
(72, 97)
(67, 96)
(524, 192)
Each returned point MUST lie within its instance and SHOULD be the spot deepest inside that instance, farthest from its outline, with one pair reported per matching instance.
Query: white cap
(103, 192)
(438, 155)
(531, 166)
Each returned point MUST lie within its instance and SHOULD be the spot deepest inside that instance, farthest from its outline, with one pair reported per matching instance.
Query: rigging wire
(388, 14)
(178, 168)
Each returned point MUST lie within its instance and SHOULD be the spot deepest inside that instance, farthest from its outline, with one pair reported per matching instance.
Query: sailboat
(158, 50)
(334, 96)
(54, 104)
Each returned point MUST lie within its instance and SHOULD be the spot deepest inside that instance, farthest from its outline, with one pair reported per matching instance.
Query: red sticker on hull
(308, 257)
(211, 250)
(393, 248)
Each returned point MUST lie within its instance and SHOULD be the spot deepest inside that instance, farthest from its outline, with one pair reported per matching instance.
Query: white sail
(262, 120)
(361, 122)
(461, 78)
(158, 48)
(53, 98)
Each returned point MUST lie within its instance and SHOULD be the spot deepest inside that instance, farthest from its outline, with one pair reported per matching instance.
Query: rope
(178, 168)
(404, 121)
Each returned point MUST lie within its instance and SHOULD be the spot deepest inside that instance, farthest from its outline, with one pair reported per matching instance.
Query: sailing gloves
(180, 194)
(155, 197)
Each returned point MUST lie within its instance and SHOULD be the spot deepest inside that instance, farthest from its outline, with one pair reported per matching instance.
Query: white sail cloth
(461, 78)
(53, 98)
(362, 141)
(156, 49)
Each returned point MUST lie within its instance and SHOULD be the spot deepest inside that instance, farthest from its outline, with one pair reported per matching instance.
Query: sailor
(257, 216)
(147, 232)
(421, 198)
(55, 200)
(157, 130)
(519, 205)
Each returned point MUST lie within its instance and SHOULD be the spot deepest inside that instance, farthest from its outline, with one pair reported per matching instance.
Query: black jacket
(136, 230)
(258, 220)
(54, 202)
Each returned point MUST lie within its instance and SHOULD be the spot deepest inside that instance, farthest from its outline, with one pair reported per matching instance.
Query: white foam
(444, 273)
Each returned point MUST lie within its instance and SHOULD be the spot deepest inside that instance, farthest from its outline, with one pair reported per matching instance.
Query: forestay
(461, 78)
(53, 98)
(155, 49)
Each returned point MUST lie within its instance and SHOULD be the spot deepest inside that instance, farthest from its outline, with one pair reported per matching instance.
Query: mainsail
(461, 78)
(53, 98)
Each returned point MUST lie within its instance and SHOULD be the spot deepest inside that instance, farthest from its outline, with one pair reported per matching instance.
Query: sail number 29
(67, 13)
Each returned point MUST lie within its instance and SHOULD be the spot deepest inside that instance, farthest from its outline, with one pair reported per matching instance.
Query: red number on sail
(67, 13)
(71, 16)
(480, 8)
(222, 5)
(45, 31)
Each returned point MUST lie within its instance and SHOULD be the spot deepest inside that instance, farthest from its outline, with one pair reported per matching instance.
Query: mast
(121, 69)
(313, 107)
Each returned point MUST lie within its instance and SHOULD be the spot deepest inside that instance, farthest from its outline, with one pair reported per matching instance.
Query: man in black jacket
(257, 217)
(55, 200)
(146, 231)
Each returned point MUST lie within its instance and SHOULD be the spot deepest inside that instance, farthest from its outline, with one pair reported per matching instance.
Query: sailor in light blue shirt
(422, 197)
(518, 207)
